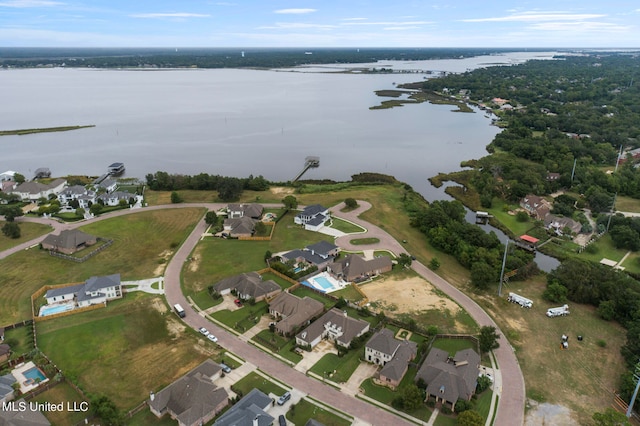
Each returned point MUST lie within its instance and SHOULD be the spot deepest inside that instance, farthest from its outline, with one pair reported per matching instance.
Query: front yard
(337, 369)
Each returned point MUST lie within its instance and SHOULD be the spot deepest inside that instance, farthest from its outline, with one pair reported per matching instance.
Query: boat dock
(309, 162)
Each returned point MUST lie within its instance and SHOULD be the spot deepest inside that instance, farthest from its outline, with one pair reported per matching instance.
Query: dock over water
(309, 162)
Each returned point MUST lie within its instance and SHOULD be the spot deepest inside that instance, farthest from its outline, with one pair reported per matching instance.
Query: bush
(601, 343)
(445, 409)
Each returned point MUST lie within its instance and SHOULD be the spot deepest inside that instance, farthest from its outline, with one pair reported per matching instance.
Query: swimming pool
(324, 283)
(34, 374)
(56, 309)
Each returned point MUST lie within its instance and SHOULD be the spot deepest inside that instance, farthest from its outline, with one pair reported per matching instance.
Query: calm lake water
(240, 122)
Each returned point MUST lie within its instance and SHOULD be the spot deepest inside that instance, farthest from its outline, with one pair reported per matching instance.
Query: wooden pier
(309, 162)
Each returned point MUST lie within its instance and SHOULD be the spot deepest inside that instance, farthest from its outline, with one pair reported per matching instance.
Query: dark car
(282, 421)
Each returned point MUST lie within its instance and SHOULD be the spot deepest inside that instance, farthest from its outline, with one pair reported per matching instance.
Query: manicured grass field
(124, 350)
(344, 226)
(64, 393)
(242, 319)
(285, 345)
(255, 380)
(603, 248)
(343, 366)
(454, 345)
(147, 418)
(348, 293)
(140, 241)
(20, 339)
(518, 228)
(364, 241)
(303, 291)
(305, 410)
(28, 231)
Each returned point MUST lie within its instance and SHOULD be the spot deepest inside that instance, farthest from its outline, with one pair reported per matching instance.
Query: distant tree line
(229, 188)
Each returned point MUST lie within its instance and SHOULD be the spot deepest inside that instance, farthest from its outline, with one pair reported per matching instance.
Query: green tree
(470, 418)
(229, 189)
(211, 218)
(610, 417)
(96, 208)
(434, 264)
(483, 275)
(80, 212)
(488, 338)
(11, 230)
(107, 411)
(351, 203)
(290, 202)
(19, 178)
(522, 216)
(555, 292)
(404, 260)
(412, 397)
(175, 197)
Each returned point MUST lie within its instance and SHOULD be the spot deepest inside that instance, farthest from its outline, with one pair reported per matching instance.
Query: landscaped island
(21, 132)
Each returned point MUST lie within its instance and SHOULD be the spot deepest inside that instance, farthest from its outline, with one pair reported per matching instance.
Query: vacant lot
(133, 346)
(142, 244)
(585, 375)
(28, 231)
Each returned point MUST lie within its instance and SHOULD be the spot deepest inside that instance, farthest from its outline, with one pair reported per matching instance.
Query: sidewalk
(145, 285)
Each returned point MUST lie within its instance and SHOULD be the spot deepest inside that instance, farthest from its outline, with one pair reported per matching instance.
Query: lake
(238, 122)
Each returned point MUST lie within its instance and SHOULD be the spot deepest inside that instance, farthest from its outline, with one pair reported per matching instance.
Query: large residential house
(450, 379)
(85, 196)
(319, 255)
(559, 224)
(313, 217)
(8, 175)
(6, 388)
(248, 285)
(392, 354)
(356, 268)
(33, 191)
(236, 211)
(114, 198)
(334, 325)
(93, 291)
(13, 416)
(68, 241)
(293, 312)
(240, 227)
(193, 399)
(251, 410)
(108, 185)
(536, 206)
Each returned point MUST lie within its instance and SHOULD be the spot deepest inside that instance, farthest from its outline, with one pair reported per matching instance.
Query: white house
(8, 175)
(313, 217)
(113, 198)
(334, 325)
(77, 192)
(95, 290)
(33, 191)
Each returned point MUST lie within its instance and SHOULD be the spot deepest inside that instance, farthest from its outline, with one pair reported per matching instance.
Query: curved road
(510, 406)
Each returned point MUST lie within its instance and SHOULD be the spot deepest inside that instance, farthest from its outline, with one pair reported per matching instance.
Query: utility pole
(618, 160)
(504, 261)
(613, 207)
(573, 171)
(636, 377)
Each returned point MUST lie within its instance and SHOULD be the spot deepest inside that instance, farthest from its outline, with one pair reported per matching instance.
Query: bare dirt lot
(406, 295)
(277, 190)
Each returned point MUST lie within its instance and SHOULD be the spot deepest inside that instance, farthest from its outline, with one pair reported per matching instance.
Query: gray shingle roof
(54, 292)
(98, 283)
(249, 283)
(22, 418)
(248, 409)
(451, 380)
(350, 327)
(294, 310)
(68, 239)
(322, 247)
(384, 341)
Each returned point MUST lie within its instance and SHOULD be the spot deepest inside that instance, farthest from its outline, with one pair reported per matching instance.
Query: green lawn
(454, 345)
(280, 281)
(204, 300)
(20, 339)
(254, 380)
(141, 240)
(242, 319)
(364, 241)
(603, 248)
(64, 393)
(147, 418)
(305, 410)
(348, 293)
(303, 291)
(28, 231)
(125, 350)
(285, 345)
(344, 226)
(518, 228)
(343, 366)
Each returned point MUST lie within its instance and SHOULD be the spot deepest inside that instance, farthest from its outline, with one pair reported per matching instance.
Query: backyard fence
(265, 238)
(135, 410)
(277, 274)
(106, 244)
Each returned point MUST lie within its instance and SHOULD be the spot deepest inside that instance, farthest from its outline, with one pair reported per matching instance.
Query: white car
(203, 331)
(212, 338)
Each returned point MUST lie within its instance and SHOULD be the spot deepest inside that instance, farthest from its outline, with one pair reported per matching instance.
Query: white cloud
(538, 17)
(580, 26)
(354, 19)
(294, 11)
(30, 3)
(296, 25)
(391, 23)
(404, 28)
(169, 15)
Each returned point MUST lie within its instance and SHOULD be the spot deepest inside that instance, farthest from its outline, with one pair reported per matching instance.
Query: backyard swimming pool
(34, 374)
(56, 309)
(324, 283)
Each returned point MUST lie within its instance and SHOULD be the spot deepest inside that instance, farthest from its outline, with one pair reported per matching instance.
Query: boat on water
(116, 169)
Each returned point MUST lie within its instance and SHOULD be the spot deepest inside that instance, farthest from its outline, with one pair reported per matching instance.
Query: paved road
(510, 406)
(512, 401)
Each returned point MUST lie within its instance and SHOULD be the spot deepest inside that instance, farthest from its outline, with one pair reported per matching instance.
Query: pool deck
(336, 284)
(18, 373)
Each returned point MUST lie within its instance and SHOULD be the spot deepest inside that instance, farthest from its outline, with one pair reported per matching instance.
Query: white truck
(522, 301)
(560, 311)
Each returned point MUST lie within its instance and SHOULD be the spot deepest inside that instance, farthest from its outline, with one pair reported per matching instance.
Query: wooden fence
(106, 244)
(252, 238)
(278, 274)
(72, 312)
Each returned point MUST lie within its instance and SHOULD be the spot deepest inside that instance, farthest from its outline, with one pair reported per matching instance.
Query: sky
(316, 23)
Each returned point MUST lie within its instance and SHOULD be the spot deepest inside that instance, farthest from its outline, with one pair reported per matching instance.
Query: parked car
(284, 398)
(282, 421)
(238, 303)
(212, 338)
(203, 331)
(225, 367)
